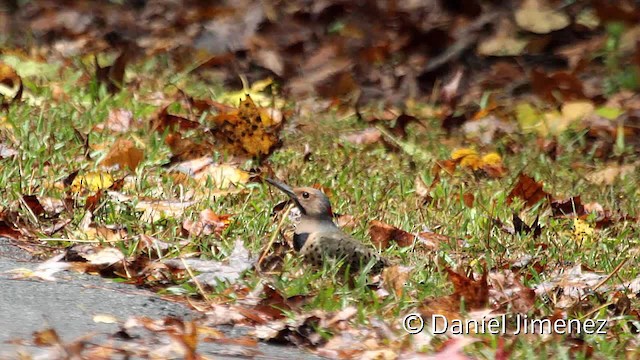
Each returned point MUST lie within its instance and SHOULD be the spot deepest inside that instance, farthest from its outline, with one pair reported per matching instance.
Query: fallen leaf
(504, 41)
(92, 181)
(611, 173)
(559, 86)
(490, 164)
(104, 257)
(395, 278)
(118, 120)
(468, 199)
(383, 234)
(7, 152)
(568, 207)
(163, 121)
(247, 131)
(506, 289)
(520, 227)
(48, 337)
(112, 76)
(527, 189)
(208, 223)
(539, 17)
(474, 292)
(222, 176)
(364, 137)
(487, 129)
(33, 204)
(213, 272)
(154, 210)
(124, 154)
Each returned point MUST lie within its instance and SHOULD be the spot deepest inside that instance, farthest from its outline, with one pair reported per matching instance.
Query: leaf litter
(353, 56)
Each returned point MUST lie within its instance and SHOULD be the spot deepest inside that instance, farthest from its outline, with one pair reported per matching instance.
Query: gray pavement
(69, 305)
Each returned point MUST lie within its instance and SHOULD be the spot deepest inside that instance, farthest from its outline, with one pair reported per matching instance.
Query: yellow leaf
(492, 159)
(223, 176)
(92, 182)
(461, 153)
(530, 119)
(581, 229)
(467, 158)
(247, 131)
(255, 92)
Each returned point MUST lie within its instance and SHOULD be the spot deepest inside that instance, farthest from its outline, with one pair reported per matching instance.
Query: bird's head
(311, 202)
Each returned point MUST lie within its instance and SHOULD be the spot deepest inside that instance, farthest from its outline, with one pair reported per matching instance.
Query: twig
(615, 271)
(273, 237)
(193, 277)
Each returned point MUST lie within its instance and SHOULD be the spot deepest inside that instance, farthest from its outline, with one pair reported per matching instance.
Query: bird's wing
(338, 245)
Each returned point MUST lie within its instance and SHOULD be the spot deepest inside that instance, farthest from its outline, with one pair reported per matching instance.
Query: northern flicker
(317, 237)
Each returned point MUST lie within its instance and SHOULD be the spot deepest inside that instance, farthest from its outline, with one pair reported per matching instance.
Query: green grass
(368, 183)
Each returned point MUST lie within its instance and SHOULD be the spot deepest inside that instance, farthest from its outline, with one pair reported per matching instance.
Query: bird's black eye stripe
(305, 195)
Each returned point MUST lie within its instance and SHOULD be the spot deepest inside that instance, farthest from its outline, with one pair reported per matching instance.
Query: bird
(318, 238)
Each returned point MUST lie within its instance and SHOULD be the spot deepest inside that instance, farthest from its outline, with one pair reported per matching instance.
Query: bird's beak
(287, 190)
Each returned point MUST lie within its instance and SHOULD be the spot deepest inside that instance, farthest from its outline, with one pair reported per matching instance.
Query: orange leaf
(382, 234)
(528, 190)
(124, 154)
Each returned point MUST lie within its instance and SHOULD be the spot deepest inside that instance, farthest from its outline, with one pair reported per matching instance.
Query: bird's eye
(305, 195)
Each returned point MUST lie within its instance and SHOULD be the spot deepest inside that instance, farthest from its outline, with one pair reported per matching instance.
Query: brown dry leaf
(528, 190)
(487, 128)
(567, 286)
(184, 149)
(506, 289)
(422, 190)
(7, 229)
(208, 223)
(611, 173)
(539, 17)
(562, 83)
(118, 120)
(154, 210)
(468, 199)
(247, 131)
(504, 41)
(568, 207)
(428, 240)
(163, 120)
(383, 234)
(33, 204)
(92, 202)
(474, 292)
(345, 220)
(395, 278)
(47, 337)
(113, 76)
(124, 154)
(364, 137)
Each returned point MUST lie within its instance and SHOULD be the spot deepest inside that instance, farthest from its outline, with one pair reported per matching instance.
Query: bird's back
(338, 245)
